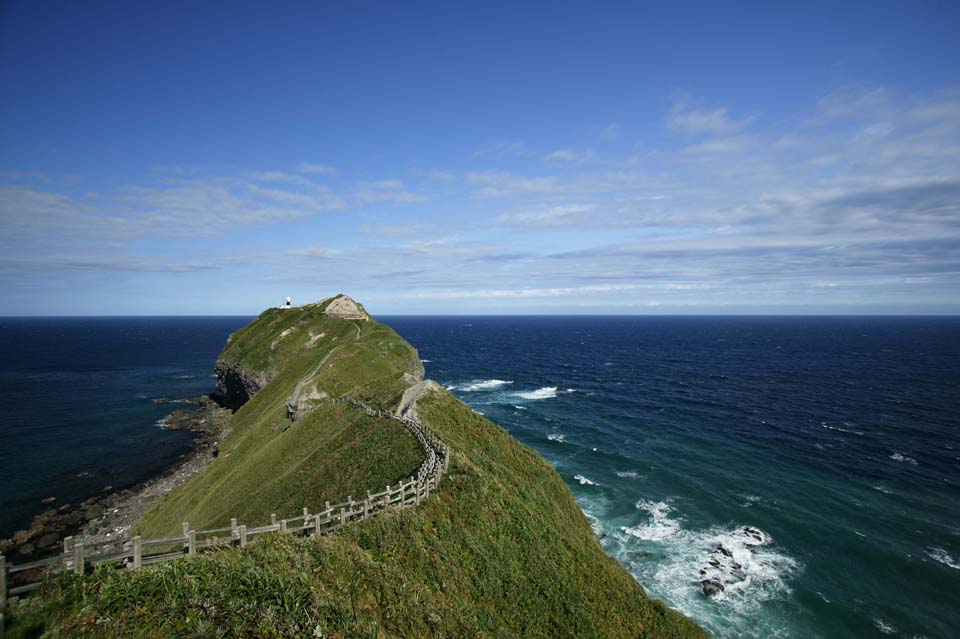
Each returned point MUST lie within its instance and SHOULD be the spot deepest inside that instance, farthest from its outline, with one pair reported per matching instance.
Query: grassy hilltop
(501, 550)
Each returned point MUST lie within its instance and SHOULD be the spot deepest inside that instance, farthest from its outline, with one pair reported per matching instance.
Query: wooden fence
(137, 552)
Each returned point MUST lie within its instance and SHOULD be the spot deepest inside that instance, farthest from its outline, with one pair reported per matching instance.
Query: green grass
(502, 550)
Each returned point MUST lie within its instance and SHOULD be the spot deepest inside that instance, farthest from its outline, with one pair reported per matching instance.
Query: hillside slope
(502, 550)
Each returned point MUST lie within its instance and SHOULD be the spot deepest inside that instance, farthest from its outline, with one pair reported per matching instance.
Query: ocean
(809, 464)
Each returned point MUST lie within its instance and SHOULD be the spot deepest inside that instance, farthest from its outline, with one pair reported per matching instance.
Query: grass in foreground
(501, 551)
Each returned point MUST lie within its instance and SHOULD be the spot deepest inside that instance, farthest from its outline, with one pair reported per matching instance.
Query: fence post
(243, 536)
(306, 515)
(366, 504)
(273, 519)
(78, 558)
(67, 545)
(192, 542)
(137, 552)
(316, 526)
(283, 526)
(402, 495)
(343, 516)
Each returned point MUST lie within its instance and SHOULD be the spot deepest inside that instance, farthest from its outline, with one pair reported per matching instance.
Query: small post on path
(3, 584)
(78, 558)
(192, 542)
(283, 526)
(243, 536)
(137, 552)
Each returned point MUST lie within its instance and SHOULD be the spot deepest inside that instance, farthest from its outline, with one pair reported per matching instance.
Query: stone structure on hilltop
(345, 308)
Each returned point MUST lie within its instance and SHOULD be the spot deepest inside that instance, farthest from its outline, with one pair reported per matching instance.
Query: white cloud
(693, 121)
(610, 133)
(569, 156)
(502, 148)
(319, 169)
(386, 191)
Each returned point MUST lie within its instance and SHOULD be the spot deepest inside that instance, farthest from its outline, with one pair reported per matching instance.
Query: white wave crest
(584, 481)
(841, 430)
(660, 526)
(939, 554)
(900, 457)
(520, 407)
(628, 474)
(556, 437)
(884, 627)
(671, 561)
(486, 384)
(541, 393)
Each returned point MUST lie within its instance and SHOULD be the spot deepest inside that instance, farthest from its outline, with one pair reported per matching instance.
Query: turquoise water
(836, 441)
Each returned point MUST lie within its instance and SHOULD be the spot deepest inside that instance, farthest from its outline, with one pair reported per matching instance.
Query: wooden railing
(137, 552)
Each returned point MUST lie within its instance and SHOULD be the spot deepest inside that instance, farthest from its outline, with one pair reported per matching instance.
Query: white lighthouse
(287, 303)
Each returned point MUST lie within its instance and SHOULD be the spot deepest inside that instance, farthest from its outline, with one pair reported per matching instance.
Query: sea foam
(541, 393)
(939, 554)
(584, 481)
(483, 385)
(900, 457)
(671, 560)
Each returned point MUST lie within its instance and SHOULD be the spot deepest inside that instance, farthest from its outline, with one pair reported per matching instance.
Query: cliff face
(235, 386)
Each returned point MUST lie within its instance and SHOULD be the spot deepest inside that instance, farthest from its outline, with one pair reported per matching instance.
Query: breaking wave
(584, 481)
(672, 561)
(486, 384)
(541, 393)
(900, 457)
(939, 554)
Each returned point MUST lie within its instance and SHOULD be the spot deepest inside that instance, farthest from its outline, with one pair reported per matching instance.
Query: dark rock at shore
(48, 540)
(711, 587)
(48, 501)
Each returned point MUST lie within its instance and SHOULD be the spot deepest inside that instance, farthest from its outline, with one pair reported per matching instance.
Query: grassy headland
(501, 550)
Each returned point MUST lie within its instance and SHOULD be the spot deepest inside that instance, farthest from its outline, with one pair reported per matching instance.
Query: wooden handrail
(332, 517)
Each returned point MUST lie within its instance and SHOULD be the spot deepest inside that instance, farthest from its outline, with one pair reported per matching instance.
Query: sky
(184, 158)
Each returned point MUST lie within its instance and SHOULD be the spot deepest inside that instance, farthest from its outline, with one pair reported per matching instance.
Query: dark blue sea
(821, 454)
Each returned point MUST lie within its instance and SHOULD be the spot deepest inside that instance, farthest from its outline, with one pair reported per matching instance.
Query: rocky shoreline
(107, 519)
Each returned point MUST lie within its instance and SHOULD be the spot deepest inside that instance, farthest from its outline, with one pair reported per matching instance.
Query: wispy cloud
(685, 118)
(610, 132)
(317, 169)
(386, 191)
(502, 148)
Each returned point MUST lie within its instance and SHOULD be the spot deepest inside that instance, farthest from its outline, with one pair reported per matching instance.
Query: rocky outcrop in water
(725, 565)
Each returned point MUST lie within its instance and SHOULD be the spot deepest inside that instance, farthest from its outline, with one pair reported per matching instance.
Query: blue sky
(205, 158)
